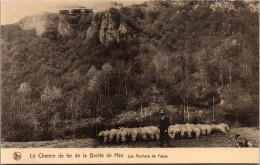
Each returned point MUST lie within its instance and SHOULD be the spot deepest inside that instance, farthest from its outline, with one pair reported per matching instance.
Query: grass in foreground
(214, 140)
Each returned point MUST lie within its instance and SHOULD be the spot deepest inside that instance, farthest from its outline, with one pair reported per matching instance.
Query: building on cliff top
(75, 11)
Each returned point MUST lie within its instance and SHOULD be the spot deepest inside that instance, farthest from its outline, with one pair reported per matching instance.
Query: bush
(44, 136)
(73, 19)
(196, 119)
(85, 22)
(247, 115)
(17, 131)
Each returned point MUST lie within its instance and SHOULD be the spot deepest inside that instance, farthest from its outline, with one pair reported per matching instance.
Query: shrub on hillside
(17, 131)
(247, 115)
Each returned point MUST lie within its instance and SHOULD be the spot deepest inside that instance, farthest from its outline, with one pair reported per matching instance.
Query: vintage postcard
(129, 81)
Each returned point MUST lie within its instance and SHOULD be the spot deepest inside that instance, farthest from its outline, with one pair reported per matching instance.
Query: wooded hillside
(71, 76)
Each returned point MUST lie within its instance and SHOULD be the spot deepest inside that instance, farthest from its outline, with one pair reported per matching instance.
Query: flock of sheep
(151, 132)
(196, 130)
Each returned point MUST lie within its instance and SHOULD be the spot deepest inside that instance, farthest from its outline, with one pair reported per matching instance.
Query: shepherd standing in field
(164, 125)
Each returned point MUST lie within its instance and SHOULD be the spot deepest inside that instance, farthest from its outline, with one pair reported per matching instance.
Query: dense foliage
(198, 64)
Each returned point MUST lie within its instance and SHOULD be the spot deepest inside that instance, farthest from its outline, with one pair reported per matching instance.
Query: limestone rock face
(34, 22)
(46, 22)
(222, 5)
(92, 31)
(124, 29)
(253, 6)
(108, 30)
(112, 29)
(64, 28)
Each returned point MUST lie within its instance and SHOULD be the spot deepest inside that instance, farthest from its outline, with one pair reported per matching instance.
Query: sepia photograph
(129, 74)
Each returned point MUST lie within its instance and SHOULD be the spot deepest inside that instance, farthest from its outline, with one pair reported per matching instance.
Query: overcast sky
(13, 10)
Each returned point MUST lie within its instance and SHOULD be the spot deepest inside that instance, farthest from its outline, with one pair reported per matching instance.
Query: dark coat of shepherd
(164, 125)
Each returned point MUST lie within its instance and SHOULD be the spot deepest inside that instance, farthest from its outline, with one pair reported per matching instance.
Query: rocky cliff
(108, 29)
(93, 31)
(46, 22)
(34, 22)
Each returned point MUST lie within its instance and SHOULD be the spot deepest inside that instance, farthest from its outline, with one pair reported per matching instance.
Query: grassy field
(214, 140)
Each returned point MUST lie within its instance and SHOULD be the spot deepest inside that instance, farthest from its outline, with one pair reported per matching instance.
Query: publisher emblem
(17, 156)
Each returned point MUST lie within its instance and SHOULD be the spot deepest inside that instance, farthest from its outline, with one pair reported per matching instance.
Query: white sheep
(188, 124)
(212, 127)
(128, 130)
(154, 130)
(177, 125)
(123, 135)
(141, 133)
(149, 132)
(224, 126)
(112, 134)
(183, 129)
(202, 128)
(118, 136)
(218, 128)
(170, 130)
(157, 134)
(134, 134)
(208, 128)
(106, 135)
(196, 131)
(101, 135)
(188, 130)
(173, 131)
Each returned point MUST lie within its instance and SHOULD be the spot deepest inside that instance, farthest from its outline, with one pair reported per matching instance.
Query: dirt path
(227, 140)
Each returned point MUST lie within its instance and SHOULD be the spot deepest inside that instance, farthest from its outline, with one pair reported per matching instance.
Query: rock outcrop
(46, 22)
(92, 31)
(64, 28)
(34, 22)
(113, 30)
(124, 29)
(222, 5)
(106, 29)
(253, 6)
(109, 28)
